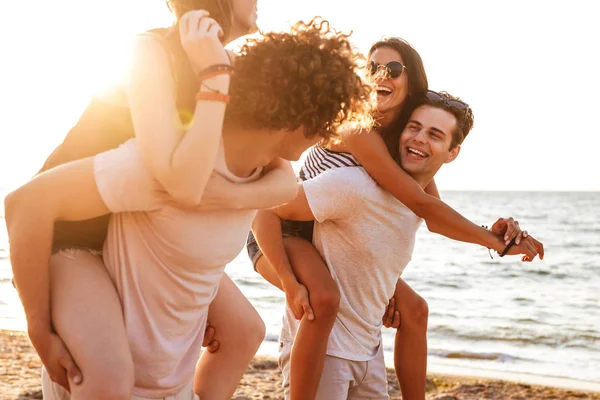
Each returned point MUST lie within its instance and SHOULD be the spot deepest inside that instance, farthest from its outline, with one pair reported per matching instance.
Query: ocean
(493, 316)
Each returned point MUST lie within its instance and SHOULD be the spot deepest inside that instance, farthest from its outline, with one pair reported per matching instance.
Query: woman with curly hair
(293, 264)
(141, 309)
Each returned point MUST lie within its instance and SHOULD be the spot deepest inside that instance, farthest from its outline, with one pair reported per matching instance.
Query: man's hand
(209, 341)
(297, 298)
(391, 317)
(58, 361)
(510, 229)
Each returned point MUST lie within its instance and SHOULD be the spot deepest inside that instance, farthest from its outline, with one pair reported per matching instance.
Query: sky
(527, 68)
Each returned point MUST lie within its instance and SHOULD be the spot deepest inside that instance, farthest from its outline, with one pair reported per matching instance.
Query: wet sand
(20, 379)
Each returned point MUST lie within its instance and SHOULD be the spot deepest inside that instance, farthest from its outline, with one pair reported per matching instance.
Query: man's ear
(453, 154)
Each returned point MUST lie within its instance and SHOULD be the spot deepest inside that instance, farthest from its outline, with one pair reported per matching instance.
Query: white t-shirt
(166, 263)
(366, 237)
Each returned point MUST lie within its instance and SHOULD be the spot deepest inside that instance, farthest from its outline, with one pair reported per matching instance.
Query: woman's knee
(325, 302)
(417, 315)
(249, 334)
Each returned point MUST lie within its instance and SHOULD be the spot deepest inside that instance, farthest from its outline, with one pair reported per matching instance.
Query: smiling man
(366, 237)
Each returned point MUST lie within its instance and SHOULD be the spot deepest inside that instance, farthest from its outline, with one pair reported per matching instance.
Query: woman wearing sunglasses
(293, 264)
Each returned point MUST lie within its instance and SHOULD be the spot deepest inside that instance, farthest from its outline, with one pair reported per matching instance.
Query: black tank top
(104, 126)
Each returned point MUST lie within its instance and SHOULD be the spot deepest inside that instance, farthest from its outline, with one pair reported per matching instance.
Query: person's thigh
(87, 315)
(374, 383)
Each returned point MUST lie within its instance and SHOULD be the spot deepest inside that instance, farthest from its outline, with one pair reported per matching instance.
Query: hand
(298, 301)
(529, 247)
(200, 37)
(58, 361)
(510, 229)
(391, 317)
(209, 341)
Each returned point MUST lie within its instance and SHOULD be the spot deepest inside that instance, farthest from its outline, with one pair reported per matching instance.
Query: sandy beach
(20, 371)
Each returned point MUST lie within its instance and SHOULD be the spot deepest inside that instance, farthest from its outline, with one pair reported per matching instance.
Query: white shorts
(53, 391)
(343, 379)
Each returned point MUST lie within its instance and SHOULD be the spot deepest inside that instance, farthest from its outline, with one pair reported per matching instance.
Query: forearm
(444, 220)
(30, 237)
(267, 232)
(432, 189)
(192, 160)
(276, 187)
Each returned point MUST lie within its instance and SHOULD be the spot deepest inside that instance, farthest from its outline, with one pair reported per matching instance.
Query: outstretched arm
(370, 150)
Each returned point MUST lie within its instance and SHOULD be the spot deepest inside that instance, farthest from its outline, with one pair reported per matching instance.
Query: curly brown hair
(308, 77)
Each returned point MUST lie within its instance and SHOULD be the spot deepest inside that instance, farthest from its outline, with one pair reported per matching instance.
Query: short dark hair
(464, 116)
(309, 77)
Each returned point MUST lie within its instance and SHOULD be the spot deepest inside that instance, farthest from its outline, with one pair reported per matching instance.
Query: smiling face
(391, 93)
(425, 142)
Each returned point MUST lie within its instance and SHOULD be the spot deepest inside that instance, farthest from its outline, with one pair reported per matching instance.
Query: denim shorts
(303, 229)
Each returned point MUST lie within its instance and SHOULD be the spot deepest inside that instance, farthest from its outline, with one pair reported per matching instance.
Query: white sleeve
(123, 181)
(335, 194)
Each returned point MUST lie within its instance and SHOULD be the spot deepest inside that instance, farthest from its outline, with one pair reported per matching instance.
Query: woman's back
(105, 125)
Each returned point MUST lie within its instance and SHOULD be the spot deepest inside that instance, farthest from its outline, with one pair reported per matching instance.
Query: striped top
(320, 160)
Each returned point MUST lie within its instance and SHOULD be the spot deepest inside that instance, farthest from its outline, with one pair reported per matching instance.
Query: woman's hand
(510, 229)
(200, 37)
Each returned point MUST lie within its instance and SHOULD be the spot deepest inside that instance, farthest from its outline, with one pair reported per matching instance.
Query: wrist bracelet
(489, 250)
(507, 248)
(215, 70)
(213, 96)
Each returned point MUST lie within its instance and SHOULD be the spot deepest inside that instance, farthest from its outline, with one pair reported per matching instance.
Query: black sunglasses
(393, 69)
(440, 98)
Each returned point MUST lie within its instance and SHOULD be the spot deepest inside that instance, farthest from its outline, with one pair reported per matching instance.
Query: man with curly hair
(166, 260)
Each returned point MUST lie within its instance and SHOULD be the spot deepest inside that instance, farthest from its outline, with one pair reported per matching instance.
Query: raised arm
(181, 159)
(370, 150)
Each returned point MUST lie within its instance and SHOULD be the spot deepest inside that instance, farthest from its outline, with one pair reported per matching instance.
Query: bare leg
(240, 331)
(410, 347)
(310, 344)
(87, 315)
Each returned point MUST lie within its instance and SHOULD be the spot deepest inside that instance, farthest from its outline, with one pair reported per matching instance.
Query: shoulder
(346, 179)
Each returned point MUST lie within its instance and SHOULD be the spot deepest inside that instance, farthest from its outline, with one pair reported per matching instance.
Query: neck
(387, 118)
(246, 150)
(423, 179)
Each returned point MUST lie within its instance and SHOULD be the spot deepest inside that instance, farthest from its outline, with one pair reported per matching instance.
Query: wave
(467, 355)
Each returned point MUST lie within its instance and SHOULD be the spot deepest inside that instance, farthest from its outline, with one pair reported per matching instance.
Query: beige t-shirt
(366, 238)
(166, 263)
